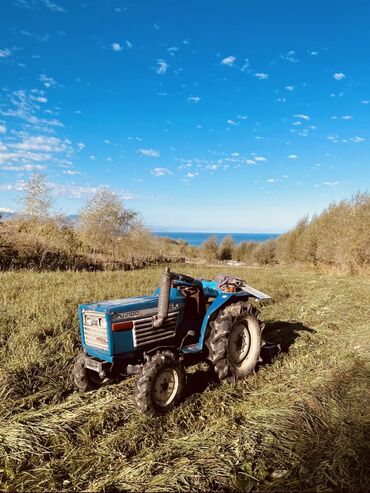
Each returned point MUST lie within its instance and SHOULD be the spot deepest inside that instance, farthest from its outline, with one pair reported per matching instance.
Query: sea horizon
(196, 238)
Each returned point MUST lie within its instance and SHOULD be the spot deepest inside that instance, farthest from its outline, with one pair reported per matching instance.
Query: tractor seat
(195, 305)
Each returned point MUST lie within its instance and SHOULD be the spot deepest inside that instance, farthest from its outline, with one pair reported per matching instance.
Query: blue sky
(204, 115)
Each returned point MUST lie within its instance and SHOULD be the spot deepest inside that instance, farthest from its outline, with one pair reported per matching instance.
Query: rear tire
(234, 340)
(160, 384)
(85, 379)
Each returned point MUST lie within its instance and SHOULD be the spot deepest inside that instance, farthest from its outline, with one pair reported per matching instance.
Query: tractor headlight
(95, 320)
(89, 320)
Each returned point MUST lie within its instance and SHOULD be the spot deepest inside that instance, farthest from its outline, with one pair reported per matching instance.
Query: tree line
(339, 238)
(107, 232)
(104, 232)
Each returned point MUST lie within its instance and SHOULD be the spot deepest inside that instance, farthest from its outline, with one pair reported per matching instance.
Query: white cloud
(116, 47)
(281, 100)
(41, 144)
(149, 152)
(313, 53)
(229, 61)
(2, 129)
(193, 99)
(39, 37)
(47, 81)
(304, 117)
(6, 209)
(365, 101)
(23, 167)
(293, 156)
(232, 122)
(129, 44)
(5, 53)
(245, 66)
(162, 66)
(290, 88)
(331, 183)
(242, 117)
(250, 161)
(344, 117)
(172, 50)
(52, 6)
(357, 139)
(271, 180)
(92, 157)
(71, 172)
(161, 172)
(40, 99)
(339, 76)
(290, 56)
(66, 189)
(261, 76)
(77, 192)
(34, 153)
(81, 145)
(191, 175)
(212, 167)
(260, 158)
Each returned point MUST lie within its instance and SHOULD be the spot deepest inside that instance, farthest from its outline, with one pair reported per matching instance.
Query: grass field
(301, 423)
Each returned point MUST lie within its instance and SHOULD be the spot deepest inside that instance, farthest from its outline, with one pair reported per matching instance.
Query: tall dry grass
(337, 238)
(299, 424)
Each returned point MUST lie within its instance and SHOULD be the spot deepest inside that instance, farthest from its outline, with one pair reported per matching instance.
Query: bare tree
(36, 200)
(105, 219)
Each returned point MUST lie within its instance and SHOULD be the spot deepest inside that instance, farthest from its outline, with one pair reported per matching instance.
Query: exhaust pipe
(163, 298)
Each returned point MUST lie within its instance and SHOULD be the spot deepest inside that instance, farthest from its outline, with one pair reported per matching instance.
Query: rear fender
(221, 301)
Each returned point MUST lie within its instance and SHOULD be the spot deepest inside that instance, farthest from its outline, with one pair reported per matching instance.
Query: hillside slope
(301, 423)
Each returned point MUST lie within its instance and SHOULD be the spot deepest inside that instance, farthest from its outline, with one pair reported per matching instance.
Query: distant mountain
(6, 215)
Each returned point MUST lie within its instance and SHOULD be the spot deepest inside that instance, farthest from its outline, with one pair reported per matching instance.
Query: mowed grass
(299, 424)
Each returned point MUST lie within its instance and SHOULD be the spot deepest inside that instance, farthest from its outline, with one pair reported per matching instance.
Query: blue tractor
(185, 321)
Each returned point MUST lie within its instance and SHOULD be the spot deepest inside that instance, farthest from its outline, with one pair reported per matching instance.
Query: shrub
(227, 248)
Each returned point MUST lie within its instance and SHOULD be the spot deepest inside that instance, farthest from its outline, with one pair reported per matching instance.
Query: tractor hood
(134, 304)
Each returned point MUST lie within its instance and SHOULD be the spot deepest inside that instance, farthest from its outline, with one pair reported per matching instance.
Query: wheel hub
(239, 343)
(165, 387)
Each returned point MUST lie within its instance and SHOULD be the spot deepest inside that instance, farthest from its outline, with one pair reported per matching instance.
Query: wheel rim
(239, 342)
(94, 377)
(165, 387)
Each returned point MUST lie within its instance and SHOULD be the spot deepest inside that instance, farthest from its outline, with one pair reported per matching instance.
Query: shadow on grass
(285, 333)
(279, 336)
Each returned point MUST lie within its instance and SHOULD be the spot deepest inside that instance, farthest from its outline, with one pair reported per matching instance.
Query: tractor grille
(96, 336)
(145, 334)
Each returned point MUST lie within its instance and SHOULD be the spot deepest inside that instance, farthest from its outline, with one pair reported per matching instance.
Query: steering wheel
(182, 277)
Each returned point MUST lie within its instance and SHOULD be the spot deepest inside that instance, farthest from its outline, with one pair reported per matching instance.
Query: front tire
(234, 340)
(160, 384)
(85, 379)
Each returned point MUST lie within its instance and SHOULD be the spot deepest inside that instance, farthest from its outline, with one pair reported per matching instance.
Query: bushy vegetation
(107, 235)
(339, 237)
(299, 424)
